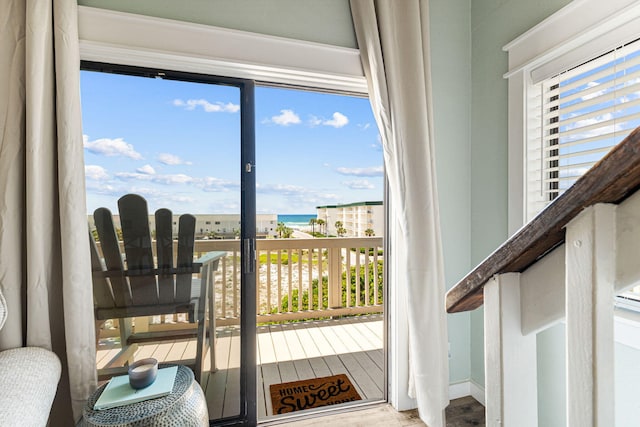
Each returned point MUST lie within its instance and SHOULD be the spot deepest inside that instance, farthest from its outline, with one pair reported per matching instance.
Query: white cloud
(288, 189)
(111, 147)
(296, 196)
(208, 184)
(95, 172)
(364, 126)
(339, 120)
(179, 178)
(218, 107)
(371, 171)
(285, 118)
(163, 199)
(159, 179)
(359, 184)
(171, 159)
(147, 169)
(102, 188)
(314, 121)
(212, 184)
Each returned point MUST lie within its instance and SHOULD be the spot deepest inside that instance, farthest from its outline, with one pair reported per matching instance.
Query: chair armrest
(210, 259)
(28, 382)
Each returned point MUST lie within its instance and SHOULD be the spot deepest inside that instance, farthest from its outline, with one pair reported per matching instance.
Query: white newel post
(590, 273)
(510, 357)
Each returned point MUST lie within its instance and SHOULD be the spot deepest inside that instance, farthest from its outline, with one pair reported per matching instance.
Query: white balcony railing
(334, 276)
(302, 278)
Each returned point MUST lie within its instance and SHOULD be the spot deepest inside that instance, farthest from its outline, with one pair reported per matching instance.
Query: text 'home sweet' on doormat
(313, 393)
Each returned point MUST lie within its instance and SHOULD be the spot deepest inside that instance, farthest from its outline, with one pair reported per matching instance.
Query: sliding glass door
(183, 142)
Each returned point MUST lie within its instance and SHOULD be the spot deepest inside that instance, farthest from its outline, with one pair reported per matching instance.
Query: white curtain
(44, 256)
(393, 37)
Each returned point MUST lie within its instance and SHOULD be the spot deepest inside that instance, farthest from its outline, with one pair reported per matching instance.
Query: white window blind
(575, 118)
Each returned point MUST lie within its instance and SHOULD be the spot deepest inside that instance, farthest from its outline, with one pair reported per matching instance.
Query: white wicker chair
(28, 382)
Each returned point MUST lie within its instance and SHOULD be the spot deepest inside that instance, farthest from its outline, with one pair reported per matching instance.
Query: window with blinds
(575, 117)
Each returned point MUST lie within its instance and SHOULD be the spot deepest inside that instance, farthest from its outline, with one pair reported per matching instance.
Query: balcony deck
(287, 352)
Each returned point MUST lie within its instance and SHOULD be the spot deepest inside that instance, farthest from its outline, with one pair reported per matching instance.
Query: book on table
(119, 393)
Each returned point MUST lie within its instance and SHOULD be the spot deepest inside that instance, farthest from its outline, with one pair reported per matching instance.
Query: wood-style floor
(464, 412)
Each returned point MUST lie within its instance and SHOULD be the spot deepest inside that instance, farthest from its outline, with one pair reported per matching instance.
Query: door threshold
(324, 411)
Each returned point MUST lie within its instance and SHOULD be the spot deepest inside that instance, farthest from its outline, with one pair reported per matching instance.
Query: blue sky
(178, 145)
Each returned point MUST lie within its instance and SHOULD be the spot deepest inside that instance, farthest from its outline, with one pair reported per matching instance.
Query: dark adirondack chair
(130, 284)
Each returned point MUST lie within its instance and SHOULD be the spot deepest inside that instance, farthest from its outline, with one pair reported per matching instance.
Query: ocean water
(296, 221)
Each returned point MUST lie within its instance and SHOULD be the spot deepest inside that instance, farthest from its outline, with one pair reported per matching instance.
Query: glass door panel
(320, 289)
(184, 144)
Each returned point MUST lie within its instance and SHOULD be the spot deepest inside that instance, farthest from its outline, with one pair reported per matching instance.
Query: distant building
(356, 218)
(223, 226)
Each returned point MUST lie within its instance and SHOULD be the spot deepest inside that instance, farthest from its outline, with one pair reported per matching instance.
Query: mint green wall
(494, 23)
(451, 74)
(326, 21)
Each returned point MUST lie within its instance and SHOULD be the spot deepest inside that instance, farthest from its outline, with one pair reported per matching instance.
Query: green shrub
(376, 278)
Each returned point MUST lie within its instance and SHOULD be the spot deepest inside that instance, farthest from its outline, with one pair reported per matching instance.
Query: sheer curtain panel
(393, 38)
(44, 255)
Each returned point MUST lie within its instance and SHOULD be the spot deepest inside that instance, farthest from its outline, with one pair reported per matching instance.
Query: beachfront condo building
(356, 218)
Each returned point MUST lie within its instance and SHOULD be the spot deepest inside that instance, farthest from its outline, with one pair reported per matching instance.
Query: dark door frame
(248, 381)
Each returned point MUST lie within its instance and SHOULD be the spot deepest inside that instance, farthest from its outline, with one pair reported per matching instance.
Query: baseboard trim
(459, 390)
(467, 388)
(477, 392)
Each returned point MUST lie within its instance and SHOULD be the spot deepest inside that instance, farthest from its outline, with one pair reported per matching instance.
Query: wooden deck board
(177, 350)
(371, 331)
(361, 377)
(320, 367)
(104, 356)
(290, 352)
(146, 350)
(288, 371)
(319, 339)
(262, 405)
(378, 357)
(309, 346)
(215, 387)
(232, 389)
(270, 375)
(265, 344)
(283, 354)
(296, 347)
(335, 340)
(304, 369)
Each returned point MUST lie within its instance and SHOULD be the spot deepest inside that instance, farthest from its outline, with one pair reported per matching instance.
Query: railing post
(142, 324)
(590, 277)
(126, 329)
(335, 279)
(510, 357)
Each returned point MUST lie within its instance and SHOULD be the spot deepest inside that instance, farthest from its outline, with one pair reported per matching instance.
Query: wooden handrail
(611, 180)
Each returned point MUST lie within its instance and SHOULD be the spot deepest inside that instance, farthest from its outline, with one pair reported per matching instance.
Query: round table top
(132, 414)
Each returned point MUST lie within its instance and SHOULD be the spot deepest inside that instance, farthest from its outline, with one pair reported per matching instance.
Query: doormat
(313, 393)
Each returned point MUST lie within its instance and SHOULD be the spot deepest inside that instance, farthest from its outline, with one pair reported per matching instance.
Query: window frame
(577, 33)
(144, 41)
(558, 43)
